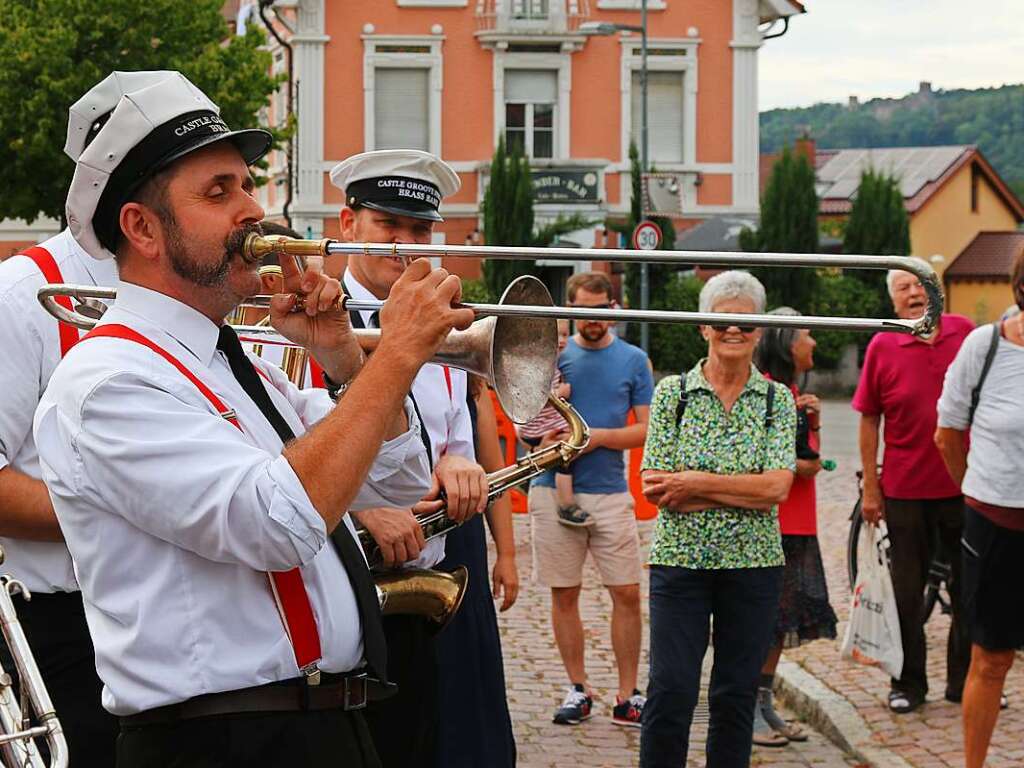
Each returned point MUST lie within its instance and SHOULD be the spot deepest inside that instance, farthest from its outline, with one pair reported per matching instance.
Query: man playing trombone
(196, 487)
(392, 196)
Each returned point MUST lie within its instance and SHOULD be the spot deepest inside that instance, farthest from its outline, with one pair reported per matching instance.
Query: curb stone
(832, 715)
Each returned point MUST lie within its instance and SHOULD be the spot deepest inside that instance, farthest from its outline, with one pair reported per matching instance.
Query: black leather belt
(346, 692)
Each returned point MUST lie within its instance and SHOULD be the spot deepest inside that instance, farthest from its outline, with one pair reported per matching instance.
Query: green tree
(508, 215)
(55, 50)
(878, 225)
(789, 224)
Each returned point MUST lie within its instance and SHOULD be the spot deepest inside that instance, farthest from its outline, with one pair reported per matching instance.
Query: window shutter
(401, 108)
(664, 115)
(539, 86)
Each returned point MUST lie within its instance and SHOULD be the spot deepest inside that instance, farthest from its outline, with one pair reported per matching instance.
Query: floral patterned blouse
(711, 440)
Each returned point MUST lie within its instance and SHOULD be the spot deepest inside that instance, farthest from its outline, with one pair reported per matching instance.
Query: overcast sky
(871, 48)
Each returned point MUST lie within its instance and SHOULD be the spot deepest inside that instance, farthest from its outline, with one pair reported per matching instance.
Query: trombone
(256, 247)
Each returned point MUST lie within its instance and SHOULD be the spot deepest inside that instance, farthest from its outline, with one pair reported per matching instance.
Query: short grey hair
(890, 276)
(734, 284)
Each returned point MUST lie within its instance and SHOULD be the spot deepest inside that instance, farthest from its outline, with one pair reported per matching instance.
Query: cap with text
(149, 129)
(405, 182)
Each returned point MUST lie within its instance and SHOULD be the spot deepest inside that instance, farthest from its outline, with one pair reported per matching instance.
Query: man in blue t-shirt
(609, 378)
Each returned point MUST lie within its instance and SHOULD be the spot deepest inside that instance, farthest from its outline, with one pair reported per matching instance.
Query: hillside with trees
(991, 118)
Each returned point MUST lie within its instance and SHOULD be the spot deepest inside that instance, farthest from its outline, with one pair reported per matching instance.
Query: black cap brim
(252, 143)
(426, 214)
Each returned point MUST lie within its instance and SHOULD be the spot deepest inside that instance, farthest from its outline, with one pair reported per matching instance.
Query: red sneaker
(630, 711)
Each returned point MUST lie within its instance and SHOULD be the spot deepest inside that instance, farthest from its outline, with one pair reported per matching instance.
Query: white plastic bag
(873, 634)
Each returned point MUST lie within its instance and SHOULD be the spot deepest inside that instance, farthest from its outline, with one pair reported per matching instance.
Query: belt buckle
(355, 692)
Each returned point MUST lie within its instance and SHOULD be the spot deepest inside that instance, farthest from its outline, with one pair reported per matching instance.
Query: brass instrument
(17, 734)
(257, 246)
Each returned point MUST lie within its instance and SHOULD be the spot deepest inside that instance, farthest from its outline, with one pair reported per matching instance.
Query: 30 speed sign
(647, 236)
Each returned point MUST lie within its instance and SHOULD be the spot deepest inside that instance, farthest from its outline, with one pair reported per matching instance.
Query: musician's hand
(418, 314)
(465, 486)
(395, 531)
(505, 580)
(553, 437)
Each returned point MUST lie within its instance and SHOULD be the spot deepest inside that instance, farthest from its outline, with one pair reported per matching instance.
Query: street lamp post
(608, 28)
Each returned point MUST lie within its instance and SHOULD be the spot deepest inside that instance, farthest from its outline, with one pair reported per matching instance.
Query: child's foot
(574, 516)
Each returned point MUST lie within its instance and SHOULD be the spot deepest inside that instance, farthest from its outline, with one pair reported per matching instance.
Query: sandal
(902, 703)
(764, 735)
(573, 516)
(766, 706)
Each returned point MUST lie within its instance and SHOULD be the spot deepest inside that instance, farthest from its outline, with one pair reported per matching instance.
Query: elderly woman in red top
(921, 504)
(784, 355)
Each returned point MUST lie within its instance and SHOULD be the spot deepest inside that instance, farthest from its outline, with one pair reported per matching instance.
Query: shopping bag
(873, 635)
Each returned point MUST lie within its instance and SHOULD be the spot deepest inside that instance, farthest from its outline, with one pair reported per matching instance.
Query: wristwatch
(334, 389)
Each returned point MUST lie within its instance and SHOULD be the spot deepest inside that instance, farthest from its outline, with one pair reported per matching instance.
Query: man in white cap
(194, 501)
(392, 196)
(32, 543)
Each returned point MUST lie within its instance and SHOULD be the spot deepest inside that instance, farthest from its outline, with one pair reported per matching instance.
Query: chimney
(806, 146)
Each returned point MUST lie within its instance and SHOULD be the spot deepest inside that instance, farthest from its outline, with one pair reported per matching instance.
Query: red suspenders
(51, 272)
(287, 588)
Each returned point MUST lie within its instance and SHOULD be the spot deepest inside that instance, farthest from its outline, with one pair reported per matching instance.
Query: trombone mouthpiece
(257, 247)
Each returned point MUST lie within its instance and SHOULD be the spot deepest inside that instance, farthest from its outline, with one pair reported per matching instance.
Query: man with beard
(34, 550)
(609, 379)
(392, 196)
(197, 488)
(901, 381)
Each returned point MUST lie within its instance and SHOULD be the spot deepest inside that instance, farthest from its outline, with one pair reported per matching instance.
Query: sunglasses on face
(742, 328)
(591, 306)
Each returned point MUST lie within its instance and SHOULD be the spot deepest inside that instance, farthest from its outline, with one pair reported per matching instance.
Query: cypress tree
(878, 225)
(508, 215)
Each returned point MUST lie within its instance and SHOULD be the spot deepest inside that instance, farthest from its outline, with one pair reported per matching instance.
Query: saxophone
(437, 595)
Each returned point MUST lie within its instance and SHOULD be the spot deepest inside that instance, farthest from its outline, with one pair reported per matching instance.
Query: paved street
(925, 739)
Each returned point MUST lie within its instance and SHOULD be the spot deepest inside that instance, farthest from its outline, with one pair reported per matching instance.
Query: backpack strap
(769, 419)
(989, 357)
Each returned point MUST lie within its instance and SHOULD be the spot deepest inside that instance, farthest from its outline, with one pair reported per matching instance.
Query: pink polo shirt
(901, 381)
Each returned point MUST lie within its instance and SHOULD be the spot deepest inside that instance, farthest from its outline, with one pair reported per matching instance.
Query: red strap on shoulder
(287, 587)
(448, 380)
(316, 374)
(51, 273)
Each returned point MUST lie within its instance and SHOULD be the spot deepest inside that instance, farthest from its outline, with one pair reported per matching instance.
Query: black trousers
(916, 528)
(404, 726)
(55, 627)
(330, 738)
(744, 603)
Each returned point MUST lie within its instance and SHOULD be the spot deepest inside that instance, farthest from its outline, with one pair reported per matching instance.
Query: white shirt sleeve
(182, 475)
(20, 372)
(962, 376)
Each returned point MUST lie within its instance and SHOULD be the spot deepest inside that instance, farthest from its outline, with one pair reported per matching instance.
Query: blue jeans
(744, 603)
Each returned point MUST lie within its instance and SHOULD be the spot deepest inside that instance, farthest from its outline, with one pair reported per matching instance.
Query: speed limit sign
(647, 236)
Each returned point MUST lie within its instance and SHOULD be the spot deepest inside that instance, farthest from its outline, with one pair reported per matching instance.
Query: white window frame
(433, 3)
(560, 62)
(630, 5)
(685, 62)
(432, 61)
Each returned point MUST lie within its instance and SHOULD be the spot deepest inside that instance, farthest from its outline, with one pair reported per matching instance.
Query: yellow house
(977, 282)
(952, 194)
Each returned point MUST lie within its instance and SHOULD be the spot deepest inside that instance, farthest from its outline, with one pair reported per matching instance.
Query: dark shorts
(992, 575)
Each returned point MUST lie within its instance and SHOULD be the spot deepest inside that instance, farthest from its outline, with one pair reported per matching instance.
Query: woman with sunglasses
(785, 355)
(719, 457)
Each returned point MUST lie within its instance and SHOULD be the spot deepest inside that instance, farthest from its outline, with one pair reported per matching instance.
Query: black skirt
(475, 728)
(804, 611)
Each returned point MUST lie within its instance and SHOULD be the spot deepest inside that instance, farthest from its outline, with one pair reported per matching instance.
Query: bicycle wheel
(852, 541)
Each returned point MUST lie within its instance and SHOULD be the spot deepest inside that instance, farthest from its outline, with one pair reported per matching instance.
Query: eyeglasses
(741, 328)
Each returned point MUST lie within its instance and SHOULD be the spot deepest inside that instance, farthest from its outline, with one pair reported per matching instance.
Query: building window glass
(401, 108)
(530, 112)
(534, 10)
(664, 115)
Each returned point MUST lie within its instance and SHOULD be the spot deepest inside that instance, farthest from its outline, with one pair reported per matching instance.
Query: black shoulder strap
(989, 357)
(769, 419)
(684, 398)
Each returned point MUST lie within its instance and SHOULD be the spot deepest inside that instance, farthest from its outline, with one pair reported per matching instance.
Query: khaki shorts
(559, 550)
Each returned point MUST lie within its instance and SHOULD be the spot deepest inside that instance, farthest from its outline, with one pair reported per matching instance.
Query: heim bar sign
(564, 186)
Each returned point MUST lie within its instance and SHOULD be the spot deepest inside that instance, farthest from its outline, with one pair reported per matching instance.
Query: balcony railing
(556, 17)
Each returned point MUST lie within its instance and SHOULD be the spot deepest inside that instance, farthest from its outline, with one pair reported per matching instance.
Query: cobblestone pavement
(928, 738)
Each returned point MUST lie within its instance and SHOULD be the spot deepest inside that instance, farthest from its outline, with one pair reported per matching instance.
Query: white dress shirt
(173, 515)
(30, 341)
(445, 415)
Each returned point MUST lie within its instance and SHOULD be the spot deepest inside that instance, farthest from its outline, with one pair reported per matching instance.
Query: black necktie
(374, 644)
